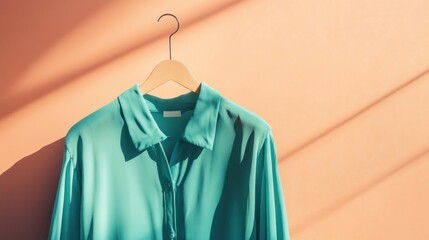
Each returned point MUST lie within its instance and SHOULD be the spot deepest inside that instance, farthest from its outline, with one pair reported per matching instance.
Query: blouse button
(172, 235)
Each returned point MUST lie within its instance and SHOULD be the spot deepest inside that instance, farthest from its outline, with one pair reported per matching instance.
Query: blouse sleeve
(272, 222)
(65, 219)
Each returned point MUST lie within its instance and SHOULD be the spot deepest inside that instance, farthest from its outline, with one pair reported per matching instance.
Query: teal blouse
(195, 166)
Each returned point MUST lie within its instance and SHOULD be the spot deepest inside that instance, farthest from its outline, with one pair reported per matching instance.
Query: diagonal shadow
(11, 104)
(26, 35)
(363, 189)
(27, 191)
(356, 114)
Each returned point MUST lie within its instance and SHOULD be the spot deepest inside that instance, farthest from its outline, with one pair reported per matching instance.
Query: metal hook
(178, 26)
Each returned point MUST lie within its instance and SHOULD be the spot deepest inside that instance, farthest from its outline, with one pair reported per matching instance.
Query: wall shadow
(353, 116)
(363, 189)
(28, 192)
(30, 29)
(366, 187)
(8, 104)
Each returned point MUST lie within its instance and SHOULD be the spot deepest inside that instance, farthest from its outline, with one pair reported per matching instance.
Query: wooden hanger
(170, 69)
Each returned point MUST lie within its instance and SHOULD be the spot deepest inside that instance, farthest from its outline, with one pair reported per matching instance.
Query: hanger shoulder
(170, 70)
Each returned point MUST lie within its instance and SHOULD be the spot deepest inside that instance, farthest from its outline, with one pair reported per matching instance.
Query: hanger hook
(178, 26)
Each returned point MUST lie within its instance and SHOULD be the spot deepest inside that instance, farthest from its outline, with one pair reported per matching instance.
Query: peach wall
(344, 84)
